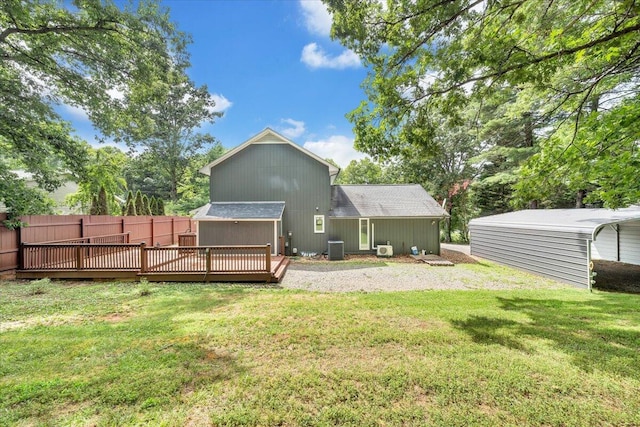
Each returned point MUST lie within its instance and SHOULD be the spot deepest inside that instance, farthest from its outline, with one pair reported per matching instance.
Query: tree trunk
(580, 199)
(533, 204)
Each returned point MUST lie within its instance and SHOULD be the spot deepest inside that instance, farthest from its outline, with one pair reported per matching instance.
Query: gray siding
(559, 255)
(279, 172)
(212, 233)
(401, 234)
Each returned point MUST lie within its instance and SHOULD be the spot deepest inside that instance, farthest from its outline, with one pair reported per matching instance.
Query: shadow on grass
(146, 358)
(595, 335)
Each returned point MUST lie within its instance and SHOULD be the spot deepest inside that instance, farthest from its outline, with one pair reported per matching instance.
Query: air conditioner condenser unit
(385, 250)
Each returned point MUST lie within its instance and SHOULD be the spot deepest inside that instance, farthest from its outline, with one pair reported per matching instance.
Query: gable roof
(268, 136)
(399, 201)
(240, 210)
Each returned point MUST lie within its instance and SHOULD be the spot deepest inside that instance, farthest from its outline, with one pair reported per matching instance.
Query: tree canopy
(88, 54)
(572, 67)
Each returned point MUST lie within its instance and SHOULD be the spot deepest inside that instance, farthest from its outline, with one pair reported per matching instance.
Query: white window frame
(315, 224)
(362, 246)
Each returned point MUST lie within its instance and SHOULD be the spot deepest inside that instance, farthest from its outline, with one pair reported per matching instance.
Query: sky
(269, 63)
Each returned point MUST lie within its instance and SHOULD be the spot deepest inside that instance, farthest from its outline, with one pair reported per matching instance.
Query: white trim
(361, 246)
(315, 224)
(237, 220)
(373, 236)
(333, 171)
(274, 248)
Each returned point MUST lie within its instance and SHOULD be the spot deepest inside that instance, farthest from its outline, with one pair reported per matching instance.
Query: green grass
(179, 354)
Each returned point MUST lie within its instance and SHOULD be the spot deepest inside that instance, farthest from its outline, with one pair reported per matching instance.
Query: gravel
(371, 274)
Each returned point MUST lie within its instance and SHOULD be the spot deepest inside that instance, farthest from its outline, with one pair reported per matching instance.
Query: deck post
(209, 260)
(143, 257)
(268, 258)
(79, 263)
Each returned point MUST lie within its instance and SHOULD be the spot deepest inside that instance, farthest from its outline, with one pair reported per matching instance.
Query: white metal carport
(559, 243)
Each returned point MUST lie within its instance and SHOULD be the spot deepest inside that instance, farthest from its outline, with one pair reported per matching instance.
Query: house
(271, 190)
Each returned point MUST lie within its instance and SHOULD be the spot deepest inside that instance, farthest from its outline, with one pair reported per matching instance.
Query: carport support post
(589, 266)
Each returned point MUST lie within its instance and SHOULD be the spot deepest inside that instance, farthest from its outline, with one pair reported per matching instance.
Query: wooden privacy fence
(162, 230)
(75, 260)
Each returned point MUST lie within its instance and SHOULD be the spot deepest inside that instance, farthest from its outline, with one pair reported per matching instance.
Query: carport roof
(586, 221)
(220, 211)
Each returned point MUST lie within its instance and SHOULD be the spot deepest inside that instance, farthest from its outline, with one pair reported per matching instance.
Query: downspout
(373, 237)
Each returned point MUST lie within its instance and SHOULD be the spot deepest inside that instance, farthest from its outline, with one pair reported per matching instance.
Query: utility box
(336, 250)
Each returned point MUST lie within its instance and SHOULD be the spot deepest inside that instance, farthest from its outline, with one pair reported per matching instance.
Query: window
(318, 223)
(364, 233)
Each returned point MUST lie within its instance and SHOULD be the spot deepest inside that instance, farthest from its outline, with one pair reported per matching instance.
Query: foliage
(102, 173)
(231, 355)
(19, 199)
(130, 208)
(90, 55)
(557, 58)
(139, 204)
(194, 190)
(177, 110)
(363, 171)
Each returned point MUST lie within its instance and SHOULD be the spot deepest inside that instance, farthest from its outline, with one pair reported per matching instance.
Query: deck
(168, 264)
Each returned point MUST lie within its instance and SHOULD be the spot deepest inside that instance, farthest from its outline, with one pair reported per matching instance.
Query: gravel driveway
(374, 275)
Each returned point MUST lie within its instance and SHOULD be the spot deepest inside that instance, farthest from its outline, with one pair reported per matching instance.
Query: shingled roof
(379, 201)
(240, 210)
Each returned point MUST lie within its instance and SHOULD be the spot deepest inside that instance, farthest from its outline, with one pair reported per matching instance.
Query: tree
(559, 57)
(177, 112)
(101, 173)
(363, 171)
(130, 209)
(193, 190)
(138, 202)
(87, 54)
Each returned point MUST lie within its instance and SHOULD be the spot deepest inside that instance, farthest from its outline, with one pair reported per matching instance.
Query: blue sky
(269, 64)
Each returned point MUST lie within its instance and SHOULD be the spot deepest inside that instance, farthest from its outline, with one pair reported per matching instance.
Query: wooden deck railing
(118, 257)
(108, 238)
(207, 259)
(79, 256)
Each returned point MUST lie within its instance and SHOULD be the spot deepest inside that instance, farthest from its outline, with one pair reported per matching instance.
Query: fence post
(173, 227)
(21, 256)
(128, 238)
(268, 267)
(143, 257)
(82, 228)
(152, 232)
(79, 259)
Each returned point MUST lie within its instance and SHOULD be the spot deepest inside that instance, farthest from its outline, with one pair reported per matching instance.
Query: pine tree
(94, 209)
(130, 208)
(139, 203)
(145, 205)
(103, 205)
(153, 205)
(125, 206)
(161, 207)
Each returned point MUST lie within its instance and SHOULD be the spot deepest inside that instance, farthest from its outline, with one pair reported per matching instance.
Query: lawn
(198, 354)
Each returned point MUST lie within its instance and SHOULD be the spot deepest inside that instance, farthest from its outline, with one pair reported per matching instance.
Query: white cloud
(222, 103)
(314, 57)
(76, 112)
(295, 129)
(316, 17)
(339, 148)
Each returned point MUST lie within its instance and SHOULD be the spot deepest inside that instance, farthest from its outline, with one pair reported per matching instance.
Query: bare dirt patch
(617, 276)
